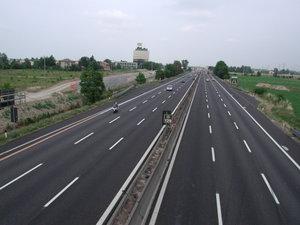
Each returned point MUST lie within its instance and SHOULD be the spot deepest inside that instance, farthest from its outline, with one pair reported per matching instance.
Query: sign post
(167, 117)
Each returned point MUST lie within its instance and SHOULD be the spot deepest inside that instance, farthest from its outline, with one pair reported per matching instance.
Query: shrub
(140, 79)
(260, 91)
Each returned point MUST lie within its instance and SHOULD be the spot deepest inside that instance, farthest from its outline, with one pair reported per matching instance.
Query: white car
(207, 80)
(170, 88)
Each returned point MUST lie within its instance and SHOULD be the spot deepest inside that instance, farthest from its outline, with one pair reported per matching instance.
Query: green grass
(22, 79)
(293, 95)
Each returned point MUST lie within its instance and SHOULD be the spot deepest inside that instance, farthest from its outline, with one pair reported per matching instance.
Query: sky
(259, 33)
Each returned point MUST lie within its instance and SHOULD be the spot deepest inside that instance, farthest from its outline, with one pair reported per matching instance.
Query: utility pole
(44, 64)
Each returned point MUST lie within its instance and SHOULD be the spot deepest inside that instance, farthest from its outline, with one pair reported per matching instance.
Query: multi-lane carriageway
(228, 167)
(71, 174)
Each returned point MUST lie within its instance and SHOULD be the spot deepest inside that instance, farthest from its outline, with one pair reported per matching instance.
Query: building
(126, 65)
(104, 65)
(140, 54)
(66, 63)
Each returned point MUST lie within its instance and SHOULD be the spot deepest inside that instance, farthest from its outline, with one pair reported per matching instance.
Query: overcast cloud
(260, 33)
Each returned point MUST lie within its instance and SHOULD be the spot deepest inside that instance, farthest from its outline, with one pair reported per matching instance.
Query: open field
(292, 94)
(34, 79)
(23, 79)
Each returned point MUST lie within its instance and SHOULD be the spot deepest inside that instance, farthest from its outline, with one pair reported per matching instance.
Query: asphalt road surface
(227, 169)
(72, 175)
(231, 166)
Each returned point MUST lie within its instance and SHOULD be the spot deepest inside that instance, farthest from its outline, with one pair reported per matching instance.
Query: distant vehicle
(182, 81)
(170, 88)
(207, 80)
(115, 107)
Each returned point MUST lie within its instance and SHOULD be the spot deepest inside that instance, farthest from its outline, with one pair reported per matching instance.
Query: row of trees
(171, 70)
(50, 63)
(242, 69)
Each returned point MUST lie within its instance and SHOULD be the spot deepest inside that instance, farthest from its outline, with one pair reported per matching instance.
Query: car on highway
(207, 79)
(182, 81)
(170, 87)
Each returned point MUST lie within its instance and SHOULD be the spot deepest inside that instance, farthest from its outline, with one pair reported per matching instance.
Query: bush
(44, 105)
(260, 91)
(140, 79)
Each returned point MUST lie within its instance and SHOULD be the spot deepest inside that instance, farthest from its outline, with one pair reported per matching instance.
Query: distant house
(66, 63)
(104, 65)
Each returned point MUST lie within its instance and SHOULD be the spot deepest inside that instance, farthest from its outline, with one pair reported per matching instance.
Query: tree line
(172, 69)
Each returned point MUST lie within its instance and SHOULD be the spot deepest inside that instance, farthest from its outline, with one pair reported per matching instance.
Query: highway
(71, 175)
(231, 165)
(227, 169)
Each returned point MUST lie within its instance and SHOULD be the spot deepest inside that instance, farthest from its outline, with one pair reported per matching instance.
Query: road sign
(167, 117)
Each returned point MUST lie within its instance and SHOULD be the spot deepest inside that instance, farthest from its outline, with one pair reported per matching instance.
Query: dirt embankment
(274, 87)
(111, 82)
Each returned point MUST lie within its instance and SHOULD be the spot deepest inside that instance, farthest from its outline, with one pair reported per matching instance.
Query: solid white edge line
(132, 109)
(213, 154)
(117, 142)
(153, 110)
(19, 177)
(249, 150)
(236, 126)
(85, 137)
(114, 119)
(260, 126)
(219, 211)
(168, 174)
(140, 121)
(62, 191)
(85, 119)
(270, 189)
(108, 210)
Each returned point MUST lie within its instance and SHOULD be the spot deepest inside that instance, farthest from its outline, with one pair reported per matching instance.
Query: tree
(275, 74)
(84, 62)
(26, 64)
(15, 64)
(140, 78)
(109, 63)
(4, 64)
(258, 73)
(184, 64)
(170, 70)
(221, 70)
(92, 85)
(159, 74)
(178, 67)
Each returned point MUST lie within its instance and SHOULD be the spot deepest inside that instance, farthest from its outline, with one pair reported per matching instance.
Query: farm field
(292, 94)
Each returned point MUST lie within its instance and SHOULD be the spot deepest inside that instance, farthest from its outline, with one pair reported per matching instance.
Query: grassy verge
(281, 105)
